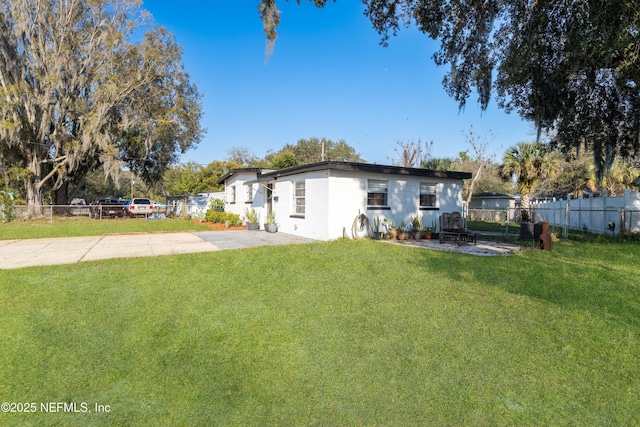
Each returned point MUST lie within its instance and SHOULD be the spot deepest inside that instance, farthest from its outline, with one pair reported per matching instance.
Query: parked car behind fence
(139, 206)
(106, 207)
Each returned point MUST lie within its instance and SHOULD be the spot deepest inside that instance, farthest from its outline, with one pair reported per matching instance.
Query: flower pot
(402, 236)
(387, 236)
(377, 235)
(253, 226)
(271, 228)
(417, 235)
(394, 232)
(427, 236)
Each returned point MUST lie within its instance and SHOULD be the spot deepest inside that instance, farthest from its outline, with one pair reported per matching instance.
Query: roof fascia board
(232, 172)
(367, 167)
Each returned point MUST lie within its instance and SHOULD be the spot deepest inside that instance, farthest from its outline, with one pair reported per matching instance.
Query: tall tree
(478, 161)
(568, 66)
(76, 93)
(528, 163)
(191, 178)
(313, 150)
(412, 154)
(578, 174)
(283, 159)
(439, 163)
(243, 156)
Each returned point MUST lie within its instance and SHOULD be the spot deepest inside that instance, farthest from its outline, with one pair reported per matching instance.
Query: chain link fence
(562, 220)
(52, 212)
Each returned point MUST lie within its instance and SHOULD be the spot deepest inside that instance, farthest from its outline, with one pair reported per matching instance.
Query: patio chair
(452, 229)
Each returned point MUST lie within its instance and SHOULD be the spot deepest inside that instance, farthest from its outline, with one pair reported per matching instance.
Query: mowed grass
(74, 227)
(338, 333)
(490, 226)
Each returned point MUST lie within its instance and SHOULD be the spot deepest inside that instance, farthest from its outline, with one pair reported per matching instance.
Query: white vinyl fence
(599, 215)
(193, 206)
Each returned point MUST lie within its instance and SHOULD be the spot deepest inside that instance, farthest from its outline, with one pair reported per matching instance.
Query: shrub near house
(229, 219)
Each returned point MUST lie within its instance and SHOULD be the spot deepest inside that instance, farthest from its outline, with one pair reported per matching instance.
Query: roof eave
(367, 167)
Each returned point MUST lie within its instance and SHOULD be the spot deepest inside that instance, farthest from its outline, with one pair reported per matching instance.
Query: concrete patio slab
(483, 248)
(248, 239)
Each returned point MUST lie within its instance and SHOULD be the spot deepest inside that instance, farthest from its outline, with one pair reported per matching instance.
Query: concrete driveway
(70, 250)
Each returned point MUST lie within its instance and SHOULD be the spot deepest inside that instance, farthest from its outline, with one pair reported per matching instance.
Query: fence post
(580, 199)
(605, 223)
(506, 225)
(565, 229)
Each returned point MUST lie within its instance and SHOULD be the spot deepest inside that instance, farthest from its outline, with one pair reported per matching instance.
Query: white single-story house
(322, 200)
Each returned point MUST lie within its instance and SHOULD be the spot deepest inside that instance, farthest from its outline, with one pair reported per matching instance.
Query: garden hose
(361, 223)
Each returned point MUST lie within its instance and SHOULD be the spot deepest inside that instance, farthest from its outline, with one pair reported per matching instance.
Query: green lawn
(489, 226)
(73, 227)
(338, 333)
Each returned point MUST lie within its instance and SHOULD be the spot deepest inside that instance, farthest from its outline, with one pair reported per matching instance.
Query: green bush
(227, 218)
(217, 204)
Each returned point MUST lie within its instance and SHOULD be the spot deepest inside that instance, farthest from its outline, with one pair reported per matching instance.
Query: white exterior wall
(348, 199)
(404, 199)
(333, 201)
(241, 203)
(314, 223)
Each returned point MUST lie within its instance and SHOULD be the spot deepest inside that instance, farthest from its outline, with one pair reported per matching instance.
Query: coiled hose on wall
(361, 223)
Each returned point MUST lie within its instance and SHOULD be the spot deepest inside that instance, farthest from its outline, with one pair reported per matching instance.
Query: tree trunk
(525, 201)
(34, 194)
(476, 176)
(5, 172)
(60, 196)
(34, 199)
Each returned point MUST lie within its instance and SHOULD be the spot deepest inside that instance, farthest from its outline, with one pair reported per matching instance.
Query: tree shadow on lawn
(591, 285)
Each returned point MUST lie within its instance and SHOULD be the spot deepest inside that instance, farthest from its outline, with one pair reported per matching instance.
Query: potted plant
(377, 233)
(416, 225)
(393, 230)
(270, 222)
(428, 232)
(402, 234)
(252, 218)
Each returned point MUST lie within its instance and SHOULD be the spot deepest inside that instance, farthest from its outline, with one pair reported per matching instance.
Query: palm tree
(528, 162)
(620, 177)
(438, 163)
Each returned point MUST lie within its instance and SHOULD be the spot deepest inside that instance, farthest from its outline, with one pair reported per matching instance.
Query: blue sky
(328, 77)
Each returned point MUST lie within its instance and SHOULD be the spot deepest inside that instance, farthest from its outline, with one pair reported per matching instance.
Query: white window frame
(377, 189)
(232, 196)
(428, 189)
(249, 193)
(299, 197)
